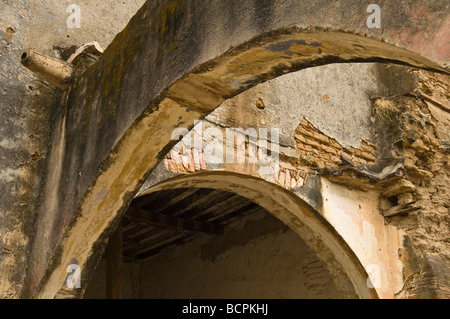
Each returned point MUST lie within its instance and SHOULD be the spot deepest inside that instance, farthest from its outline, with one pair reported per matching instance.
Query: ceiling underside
(164, 219)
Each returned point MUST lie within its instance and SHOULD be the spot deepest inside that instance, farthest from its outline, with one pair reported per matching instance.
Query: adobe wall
(53, 150)
(381, 216)
(198, 59)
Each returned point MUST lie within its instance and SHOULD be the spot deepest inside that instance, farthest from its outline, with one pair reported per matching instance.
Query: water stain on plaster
(285, 46)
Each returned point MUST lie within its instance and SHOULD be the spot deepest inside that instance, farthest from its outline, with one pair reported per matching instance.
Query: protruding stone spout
(55, 71)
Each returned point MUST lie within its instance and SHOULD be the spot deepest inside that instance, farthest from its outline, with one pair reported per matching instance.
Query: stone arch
(347, 272)
(118, 106)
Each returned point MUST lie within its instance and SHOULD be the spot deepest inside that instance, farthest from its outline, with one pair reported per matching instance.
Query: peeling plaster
(356, 217)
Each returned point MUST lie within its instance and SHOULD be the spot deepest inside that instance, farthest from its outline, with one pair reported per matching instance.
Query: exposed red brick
(172, 166)
(299, 138)
(328, 149)
(191, 163)
(313, 143)
(287, 182)
(368, 156)
(197, 160)
(335, 144)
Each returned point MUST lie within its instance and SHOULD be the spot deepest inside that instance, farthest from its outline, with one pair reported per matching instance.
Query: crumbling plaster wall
(332, 102)
(118, 97)
(351, 125)
(27, 108)
(27, 103)
(421, 136)
(355, 214)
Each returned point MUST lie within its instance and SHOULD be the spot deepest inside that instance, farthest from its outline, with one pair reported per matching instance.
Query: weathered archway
(344, 266)
(173, 64)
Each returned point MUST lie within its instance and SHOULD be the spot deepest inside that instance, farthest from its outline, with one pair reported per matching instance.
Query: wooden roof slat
(168, 218)
(156, 245)
(177, 223)
(236, 206)
(217, 206)
(183, 194)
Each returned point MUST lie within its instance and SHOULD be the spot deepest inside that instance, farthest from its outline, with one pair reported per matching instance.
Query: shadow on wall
(259, 257)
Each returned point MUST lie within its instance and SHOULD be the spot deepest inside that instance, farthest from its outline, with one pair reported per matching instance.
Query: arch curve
(347, 272)
(173, 64)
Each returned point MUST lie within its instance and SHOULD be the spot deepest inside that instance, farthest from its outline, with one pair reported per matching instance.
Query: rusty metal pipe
(55, 71)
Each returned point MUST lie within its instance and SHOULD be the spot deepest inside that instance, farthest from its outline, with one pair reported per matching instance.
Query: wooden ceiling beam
(180, 224)
(165, 203)
(236, 206)
(150, 250)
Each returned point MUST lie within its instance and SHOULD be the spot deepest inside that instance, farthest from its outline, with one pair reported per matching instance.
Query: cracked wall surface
(394, 167)
(421, 203)
(92, 149)
(28, 105)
